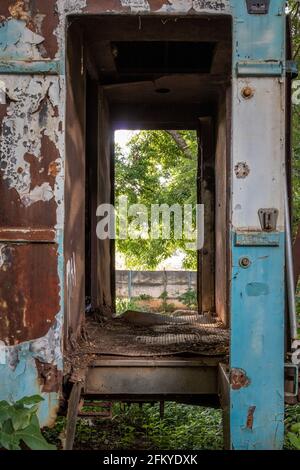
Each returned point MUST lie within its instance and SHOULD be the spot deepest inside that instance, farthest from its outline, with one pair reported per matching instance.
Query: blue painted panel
(257, 239)
(257, 346)
(38, 67)
(19, 378)
(259, 37)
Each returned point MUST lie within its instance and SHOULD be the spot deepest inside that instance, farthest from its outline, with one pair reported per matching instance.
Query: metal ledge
(140, 377)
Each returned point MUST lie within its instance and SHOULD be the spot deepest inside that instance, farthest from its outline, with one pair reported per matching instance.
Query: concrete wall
(154, 283)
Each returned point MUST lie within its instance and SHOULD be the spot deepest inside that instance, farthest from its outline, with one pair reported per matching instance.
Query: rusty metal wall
(31, 193)
(74, 234)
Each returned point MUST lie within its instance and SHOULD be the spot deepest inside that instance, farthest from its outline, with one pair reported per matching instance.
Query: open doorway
(157, 81)
(156, 184)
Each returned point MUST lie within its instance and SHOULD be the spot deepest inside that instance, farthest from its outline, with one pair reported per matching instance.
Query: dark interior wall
(105, 250)
(75, 185)
(91, 196)
(206, 275)
(222, 188)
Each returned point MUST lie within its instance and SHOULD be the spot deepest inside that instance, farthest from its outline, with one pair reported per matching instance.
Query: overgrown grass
(183, 427)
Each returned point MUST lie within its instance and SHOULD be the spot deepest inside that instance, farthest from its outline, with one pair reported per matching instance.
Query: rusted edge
(27, 235)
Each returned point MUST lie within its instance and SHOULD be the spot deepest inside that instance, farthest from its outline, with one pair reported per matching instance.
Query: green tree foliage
(294, 7)
(157, 170)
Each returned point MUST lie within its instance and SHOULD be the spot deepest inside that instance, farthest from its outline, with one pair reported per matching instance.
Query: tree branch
(181, 144)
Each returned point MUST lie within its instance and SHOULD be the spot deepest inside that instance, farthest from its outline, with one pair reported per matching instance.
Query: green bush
(189, 298)
(19, 425)
(122, 305)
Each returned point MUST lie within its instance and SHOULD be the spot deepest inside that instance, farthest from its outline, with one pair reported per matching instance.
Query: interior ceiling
(158, 62)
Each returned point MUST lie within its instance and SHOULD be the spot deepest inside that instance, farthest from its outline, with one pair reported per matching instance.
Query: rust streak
(250, 417)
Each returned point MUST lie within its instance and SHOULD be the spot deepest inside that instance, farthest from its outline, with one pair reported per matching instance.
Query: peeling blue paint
(38, 67)
(19, 378)
(258, 37)
(257, 346)
(17, 42)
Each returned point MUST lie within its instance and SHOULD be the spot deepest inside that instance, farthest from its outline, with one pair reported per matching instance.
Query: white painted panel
(259, 143)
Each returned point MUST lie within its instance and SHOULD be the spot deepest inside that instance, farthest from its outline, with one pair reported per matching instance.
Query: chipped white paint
(48, 348)
(19, 42)
(34, 111)
(39, 193)
(260, 143)
(136, 5)
(2, 353)
(2, 92)
(65, 8)
(2, 255)
(201, 6)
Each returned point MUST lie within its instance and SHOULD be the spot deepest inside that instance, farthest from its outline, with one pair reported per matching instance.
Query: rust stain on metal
(250, 417)
(18, 11)
(54, 169)
(27, 234)
(247, 92)
(29, 291)
(238, 379)
(50, 378)
(242, 170)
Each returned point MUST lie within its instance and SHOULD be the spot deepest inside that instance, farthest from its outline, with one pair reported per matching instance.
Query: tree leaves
(157, 171)
(19, 423)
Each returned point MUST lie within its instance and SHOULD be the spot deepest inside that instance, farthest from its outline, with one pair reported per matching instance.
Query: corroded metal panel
(31, 145)
(29, 285)
(31, 212)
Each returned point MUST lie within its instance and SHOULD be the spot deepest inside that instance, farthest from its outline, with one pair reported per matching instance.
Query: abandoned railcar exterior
(39, 266)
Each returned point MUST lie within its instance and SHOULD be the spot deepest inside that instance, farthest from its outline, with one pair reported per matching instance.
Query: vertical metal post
(290, 270)
(256, 377)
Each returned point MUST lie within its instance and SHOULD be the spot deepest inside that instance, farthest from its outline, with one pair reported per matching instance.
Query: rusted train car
(64, 92)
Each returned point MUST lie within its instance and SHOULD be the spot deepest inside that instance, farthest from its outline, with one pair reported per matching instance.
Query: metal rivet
(247, 92)
(245, 262)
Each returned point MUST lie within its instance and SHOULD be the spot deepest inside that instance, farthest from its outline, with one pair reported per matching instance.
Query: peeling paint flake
(136, 5)
(33, 113)
(17, 42)
(2, 353)
(212, 6)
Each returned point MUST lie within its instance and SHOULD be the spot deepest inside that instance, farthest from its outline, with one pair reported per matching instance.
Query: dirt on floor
(140, 334)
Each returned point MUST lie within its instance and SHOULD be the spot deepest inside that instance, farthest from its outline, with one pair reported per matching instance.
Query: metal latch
(268, 219)
(258, 7)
